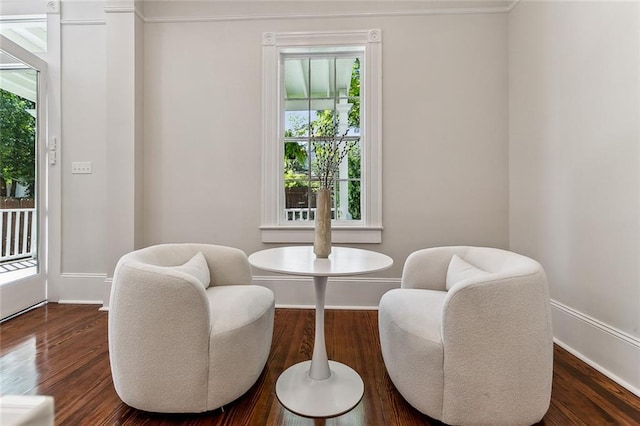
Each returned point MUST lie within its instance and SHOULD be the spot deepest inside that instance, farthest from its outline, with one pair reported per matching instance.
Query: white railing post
(25, 232)
(9, 230)
(16, 234)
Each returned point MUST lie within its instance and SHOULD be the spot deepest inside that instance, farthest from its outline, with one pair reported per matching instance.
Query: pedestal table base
(331, 397)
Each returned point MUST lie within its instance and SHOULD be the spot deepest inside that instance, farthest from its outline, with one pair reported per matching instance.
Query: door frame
(32, 290)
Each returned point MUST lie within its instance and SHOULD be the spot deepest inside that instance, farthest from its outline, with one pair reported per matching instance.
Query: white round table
(319, 388)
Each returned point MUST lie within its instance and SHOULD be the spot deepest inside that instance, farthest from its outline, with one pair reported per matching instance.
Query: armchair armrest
(500, 324)
(157, 321)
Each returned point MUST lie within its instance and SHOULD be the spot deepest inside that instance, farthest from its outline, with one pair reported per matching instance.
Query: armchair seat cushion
(416, 313)
(229, 310)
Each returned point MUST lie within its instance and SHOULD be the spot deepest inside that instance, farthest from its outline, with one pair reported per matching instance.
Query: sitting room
(319, 212)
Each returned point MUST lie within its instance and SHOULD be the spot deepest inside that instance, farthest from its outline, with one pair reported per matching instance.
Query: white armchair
(467, 338)
(187, 331)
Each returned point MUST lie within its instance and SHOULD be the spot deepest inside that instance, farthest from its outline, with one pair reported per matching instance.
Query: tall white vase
(322, 241)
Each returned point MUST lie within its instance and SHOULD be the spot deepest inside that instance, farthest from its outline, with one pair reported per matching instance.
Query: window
(321, 89)
(321, 107)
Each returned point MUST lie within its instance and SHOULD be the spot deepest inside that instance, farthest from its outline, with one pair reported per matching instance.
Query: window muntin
(321, 95)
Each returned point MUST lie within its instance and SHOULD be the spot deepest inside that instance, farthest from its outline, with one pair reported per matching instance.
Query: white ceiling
(15, 77)
(28, 33)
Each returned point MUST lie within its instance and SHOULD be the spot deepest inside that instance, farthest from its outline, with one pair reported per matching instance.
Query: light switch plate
(81, 167)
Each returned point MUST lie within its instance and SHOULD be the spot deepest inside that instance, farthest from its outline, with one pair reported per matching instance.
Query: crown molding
(328, 15)
(119, 7)
(127, 7)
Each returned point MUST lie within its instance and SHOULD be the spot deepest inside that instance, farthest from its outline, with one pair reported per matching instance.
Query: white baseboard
(81, 288)
(358, 293)
(342, 293)
(79, 302)
(610, 351)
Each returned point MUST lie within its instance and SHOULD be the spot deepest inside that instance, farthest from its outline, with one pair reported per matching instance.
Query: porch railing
(304, 214)
(17, 227)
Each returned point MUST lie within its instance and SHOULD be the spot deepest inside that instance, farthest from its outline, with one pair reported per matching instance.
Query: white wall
(445, 131)
(445, 175)
(574, 162)
(84, 139)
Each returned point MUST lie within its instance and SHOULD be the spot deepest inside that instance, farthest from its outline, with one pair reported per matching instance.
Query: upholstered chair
(467, 338)
(187, 330)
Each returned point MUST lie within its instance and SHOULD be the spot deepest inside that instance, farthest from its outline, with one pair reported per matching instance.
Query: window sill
(305, 234)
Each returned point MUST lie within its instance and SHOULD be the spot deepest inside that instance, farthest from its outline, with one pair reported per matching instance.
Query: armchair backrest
(427, 268)
(227, 265)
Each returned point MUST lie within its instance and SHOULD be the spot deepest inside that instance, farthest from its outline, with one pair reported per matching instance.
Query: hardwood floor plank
(62, 350)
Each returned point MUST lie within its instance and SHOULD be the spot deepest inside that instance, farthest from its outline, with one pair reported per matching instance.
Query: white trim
(292, 234)
(119, 9)
(81, 288)
(327, 15)
(336, 307)
(618, 334)
(53, 7)
(279, 306)
(609, 350)
(291, 16)
(357, 293)
(342, 293)
(10, 19)
(79, 302)
(81, 275)
(125, 9)
(273, 45)
(597, 367)
(84, 22)
(513, 4)
(55, 145)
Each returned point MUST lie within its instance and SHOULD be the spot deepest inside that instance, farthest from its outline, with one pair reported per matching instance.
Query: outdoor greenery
(17, 144)
(327, 149)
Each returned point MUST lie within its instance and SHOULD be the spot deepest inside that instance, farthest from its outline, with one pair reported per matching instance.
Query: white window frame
(274, 228)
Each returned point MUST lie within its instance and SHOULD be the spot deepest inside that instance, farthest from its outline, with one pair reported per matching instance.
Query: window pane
(296, 123)
(296, 78)
(322, 117)
(323, 78)
(321, 120)
(355, 168)
(354, 116)
(348, 77)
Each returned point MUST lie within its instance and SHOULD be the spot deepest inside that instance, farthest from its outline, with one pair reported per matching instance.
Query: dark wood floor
(61, 350)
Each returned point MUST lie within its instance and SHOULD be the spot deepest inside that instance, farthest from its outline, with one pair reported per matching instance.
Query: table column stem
(319, 363)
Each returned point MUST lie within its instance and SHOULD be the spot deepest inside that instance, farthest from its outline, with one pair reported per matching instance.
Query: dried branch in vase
(330, 151)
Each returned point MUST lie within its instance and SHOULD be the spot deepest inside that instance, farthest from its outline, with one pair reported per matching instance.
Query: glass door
(22, 172)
